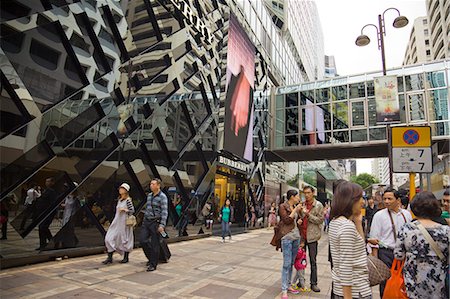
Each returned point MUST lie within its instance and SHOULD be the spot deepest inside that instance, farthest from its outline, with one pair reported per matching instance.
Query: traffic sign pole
(412, 185)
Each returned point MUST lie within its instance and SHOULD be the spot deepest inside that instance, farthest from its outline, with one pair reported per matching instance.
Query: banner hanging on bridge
(386, 99)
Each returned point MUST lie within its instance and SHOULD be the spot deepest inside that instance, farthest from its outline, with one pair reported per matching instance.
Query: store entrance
(232, 185)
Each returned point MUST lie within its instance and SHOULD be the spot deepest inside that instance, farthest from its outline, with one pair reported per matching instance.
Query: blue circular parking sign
(411, 137)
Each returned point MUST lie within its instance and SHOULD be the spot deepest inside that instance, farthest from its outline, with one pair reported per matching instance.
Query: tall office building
(438, 14)
(330, 67)
(419, 47)
(299, 23)
(380, 170)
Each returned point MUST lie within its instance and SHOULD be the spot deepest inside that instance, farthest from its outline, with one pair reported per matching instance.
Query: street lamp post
(363, 40)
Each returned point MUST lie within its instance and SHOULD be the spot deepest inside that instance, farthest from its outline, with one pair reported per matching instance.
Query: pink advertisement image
(238, 130)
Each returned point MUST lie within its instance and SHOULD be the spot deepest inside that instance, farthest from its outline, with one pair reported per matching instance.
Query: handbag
(395, 286)
(378, 271)
(131, 221)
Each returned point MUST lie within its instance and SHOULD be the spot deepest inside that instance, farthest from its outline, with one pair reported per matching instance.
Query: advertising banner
(386, 99)
(238, 127)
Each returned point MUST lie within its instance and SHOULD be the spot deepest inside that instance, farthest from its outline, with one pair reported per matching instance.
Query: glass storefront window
(438, 104)
(377, 133)
(357, 90)
(292, 121)
(435, 79)
(414, 82)
(339, 93)
(358, 113)
(308, 119)
(416, 107)
(359, 135)
(402, 105)
(323, 95)
(340, 115)
(372, 110)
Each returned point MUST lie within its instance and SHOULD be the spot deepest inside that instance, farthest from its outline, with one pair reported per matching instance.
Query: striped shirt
(349, 256)
(157, 208)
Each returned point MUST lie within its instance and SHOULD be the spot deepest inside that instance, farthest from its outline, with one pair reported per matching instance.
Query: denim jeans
(289, 249)
(299, 278)
(226, 229)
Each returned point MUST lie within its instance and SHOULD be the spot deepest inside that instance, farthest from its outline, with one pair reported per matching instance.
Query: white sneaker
(229, 238)
(223, 240)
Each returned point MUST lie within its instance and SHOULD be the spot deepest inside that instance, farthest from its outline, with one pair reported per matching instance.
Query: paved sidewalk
(246, 267)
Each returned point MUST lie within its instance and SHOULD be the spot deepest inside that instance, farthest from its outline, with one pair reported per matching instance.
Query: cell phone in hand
(164, 235)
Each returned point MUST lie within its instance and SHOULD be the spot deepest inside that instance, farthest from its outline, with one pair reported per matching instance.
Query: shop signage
(233, 164)
(184, 6)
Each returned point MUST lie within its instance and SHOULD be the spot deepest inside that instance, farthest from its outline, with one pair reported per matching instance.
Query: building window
(425, 32)
(424, 21)
(427, 42)
(428, 52)
(43, 55)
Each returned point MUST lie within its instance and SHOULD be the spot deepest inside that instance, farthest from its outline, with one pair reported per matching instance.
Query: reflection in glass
(435, 79)
(341, 136)
(440, 128)
(291, 140)
(358, 113)
(307, 97)
(291, 100)
(279, 101)
(278, 141)
(438, 104)
(323, 95)
(414, 82)
(323, 117)
(308, 119)
(308, 139)
(323, 137)
(400, 85)
(340, 115)
(372, 112)
(416, 107)
(357, 90)
(402, 105)
(291, 121)
(370, 89)
(359, 135)
(33, 66)
(377, 133)
(339, 93)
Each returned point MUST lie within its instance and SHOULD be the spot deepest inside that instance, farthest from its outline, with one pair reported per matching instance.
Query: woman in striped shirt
(350, 274)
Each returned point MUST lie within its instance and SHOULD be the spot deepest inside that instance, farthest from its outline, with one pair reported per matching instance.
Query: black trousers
(149, 239)
(312, 249)
(387, 256)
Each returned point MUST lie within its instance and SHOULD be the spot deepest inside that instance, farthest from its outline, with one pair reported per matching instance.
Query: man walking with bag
(155, 219)
(385, 225)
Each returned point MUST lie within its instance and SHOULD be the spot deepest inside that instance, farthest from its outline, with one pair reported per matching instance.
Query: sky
(342, 22)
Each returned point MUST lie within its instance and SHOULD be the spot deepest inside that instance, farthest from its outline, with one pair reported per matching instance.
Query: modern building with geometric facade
(96, 93)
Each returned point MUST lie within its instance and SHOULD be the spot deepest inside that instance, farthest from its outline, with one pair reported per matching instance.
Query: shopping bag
(395, 286)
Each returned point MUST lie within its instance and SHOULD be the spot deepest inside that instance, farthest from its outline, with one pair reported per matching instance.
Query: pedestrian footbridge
(337, 118)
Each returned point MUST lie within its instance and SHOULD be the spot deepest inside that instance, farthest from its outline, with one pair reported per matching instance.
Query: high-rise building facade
(419, 47)
(330, 67)
(438, 14)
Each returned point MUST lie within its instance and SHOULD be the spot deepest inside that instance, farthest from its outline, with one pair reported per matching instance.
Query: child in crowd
(298, 283)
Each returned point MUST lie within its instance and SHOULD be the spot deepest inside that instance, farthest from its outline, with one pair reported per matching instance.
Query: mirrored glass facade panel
(438, 104)
(358, 113)
(417, 107)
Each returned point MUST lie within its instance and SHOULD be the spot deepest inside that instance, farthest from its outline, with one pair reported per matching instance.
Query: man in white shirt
(385, 225)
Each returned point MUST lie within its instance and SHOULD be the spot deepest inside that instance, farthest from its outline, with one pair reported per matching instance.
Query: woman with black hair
(349, 273)
(423, 244)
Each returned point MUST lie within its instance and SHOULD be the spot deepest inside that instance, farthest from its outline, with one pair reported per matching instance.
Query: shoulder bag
(378, 271)
(131, 219)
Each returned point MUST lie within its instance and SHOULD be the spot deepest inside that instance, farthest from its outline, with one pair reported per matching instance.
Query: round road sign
(411, 136)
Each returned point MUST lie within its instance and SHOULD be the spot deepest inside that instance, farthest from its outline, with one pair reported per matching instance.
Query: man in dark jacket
(45, 203)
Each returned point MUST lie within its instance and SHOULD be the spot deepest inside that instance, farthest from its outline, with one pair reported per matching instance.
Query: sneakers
(295, 287)
(314, 288)
(293, 291)
(284, 296)
(223, 240)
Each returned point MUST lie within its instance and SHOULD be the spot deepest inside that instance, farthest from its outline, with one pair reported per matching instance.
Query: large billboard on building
(238, 128)
(386, 98)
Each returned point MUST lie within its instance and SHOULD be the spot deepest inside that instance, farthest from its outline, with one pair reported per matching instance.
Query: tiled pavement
(246, 267)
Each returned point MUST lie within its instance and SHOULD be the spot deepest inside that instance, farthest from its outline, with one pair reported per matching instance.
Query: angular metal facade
(94, 93)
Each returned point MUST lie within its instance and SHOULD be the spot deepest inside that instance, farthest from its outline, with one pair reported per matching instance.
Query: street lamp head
(362, 40)
(400, 22)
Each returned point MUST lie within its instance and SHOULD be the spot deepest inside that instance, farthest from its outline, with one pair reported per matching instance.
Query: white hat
(125, 186)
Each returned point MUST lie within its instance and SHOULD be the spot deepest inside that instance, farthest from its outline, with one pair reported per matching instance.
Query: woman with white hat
(120, 236)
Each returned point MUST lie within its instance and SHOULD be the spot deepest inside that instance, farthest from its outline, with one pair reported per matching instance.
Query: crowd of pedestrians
(414, 235)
